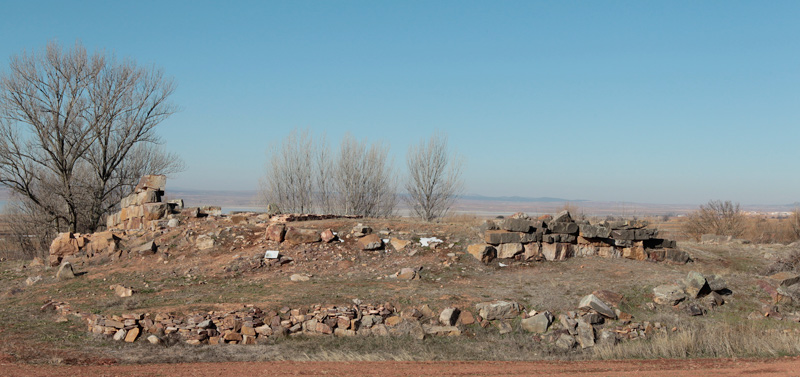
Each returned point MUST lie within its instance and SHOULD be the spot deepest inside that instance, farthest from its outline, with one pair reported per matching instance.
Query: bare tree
(303, 175)
(70, 124)
(289, 180)
(716, 217)
(325, 191)
(365, 181)
(434, 178)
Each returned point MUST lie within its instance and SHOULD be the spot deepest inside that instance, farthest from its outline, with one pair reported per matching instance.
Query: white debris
(428, 240)
(271, 254)
(503, 265)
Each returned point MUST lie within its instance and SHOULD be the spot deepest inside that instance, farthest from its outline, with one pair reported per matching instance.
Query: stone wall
(143, 206)
(561, 237)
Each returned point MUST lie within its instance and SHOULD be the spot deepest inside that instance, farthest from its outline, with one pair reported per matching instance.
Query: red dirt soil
(672, 368)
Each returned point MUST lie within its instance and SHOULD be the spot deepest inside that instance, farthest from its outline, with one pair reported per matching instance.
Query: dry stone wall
(561, 237)
(143, 206)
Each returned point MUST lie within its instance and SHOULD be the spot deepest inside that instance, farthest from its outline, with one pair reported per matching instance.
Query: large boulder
(154, 211)
(65, 271)
(149, 247)
(102, 242)
(586, 335)
(565, 341)
(668, 294)
(563, 228)
(482, 252)
(509, 250)
(594, 231)
(275, 232)
(592, 302)
(205, 242)
(783, 279)
(496, 237)
(562, 217)
(449, 316)
(498, 310)
(154, 182)
(64, 245)
(696, 284)
(297, 236)
(370, 242)
(517, 225)
(539, 323)
(556, 251)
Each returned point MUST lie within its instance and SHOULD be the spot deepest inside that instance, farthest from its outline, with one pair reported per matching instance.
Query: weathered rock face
(517, 225)
(64, 245)
(496, 237)
(65, 272)
(668, 294)
(69, 244)
(275, 232)
(498, 310)
(399, 244)
(539, 323)
(204, 242)
(370, 242)
(121, 291)
(483, 252)
(695, 284)
(592, 302)
(509, 250)
(144, 208)
(449, 316)
(586, 334)
(784, 278)
(327, 236)
(297, 236)
(560, 237)
(408, 273)
(565, 341)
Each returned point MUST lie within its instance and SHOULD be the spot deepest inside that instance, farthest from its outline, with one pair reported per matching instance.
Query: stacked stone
(252, 324)
(82, 245)
(140, 209)
(561, 237)
(596, 320)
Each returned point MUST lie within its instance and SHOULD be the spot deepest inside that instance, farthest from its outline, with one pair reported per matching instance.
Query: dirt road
(672, 368)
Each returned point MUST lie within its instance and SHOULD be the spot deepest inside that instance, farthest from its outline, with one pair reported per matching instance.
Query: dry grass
(709, 339)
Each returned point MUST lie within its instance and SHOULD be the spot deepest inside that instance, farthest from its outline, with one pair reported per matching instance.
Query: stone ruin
(561, 237)
(143, 205)
(141, 210)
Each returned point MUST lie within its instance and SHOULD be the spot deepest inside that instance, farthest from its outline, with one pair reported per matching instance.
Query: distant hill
(518, 199)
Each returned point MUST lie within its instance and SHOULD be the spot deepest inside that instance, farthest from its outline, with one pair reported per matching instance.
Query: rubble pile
(594, 322)
(560, 237)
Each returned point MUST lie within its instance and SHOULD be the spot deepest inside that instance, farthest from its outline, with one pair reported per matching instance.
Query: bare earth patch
(672, 368)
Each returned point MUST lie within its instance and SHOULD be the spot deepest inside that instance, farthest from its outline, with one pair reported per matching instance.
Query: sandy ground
(672, 368)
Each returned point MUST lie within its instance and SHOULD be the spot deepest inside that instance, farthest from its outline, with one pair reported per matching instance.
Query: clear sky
(635, 101)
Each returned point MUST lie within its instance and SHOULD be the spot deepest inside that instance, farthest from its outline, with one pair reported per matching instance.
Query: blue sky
(634, 101)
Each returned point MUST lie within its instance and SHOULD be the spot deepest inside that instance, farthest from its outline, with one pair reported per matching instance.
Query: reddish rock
(299, 236)
(276, 232)
(154, 211)
(323, 328)
(132, 335)
(370, 242)
(154, 182)
(64, 245)
(483, 252)
(466, 318)
(327, 236)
